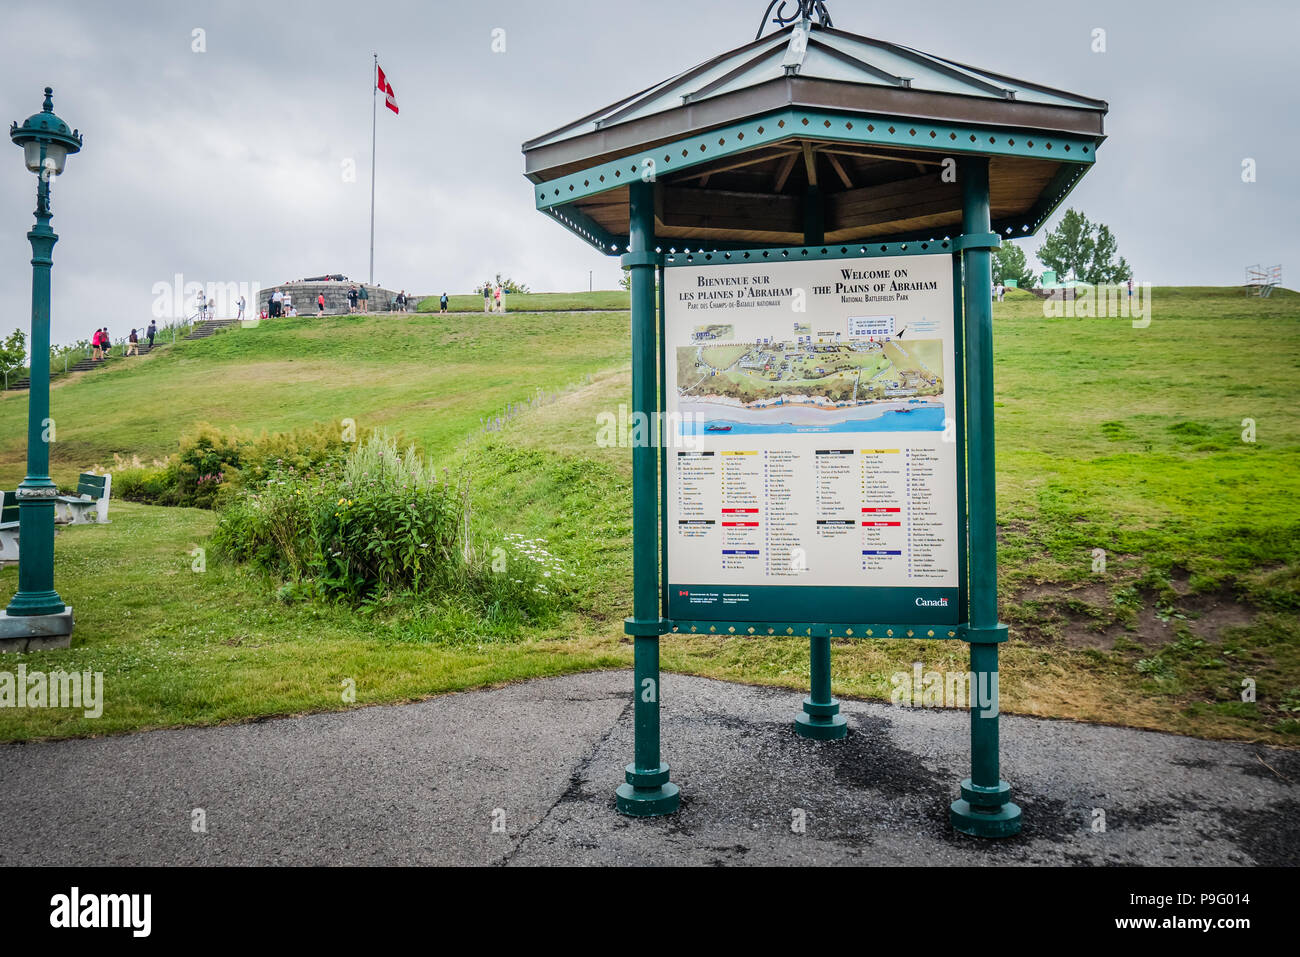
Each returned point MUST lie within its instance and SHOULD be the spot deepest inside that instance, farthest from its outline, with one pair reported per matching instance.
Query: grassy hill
(430, 377)
(535, 301)
(1111, 437)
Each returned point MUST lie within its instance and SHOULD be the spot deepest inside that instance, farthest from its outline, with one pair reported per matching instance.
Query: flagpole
(374, 106)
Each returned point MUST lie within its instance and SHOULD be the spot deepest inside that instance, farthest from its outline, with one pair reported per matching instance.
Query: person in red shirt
(320, 304)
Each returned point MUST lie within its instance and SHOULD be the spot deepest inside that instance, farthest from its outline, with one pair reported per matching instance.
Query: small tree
(1009, 263)
(1105, 267)
(510, 286)
(1082, 250)
(13, 352)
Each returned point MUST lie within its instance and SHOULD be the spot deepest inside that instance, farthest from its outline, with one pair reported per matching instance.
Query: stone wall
(336, 297)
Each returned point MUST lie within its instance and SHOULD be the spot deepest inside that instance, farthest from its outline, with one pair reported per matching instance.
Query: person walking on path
(133, 344)
(364, 296)
(96, 346)
(241, 308)
(151, 332)
(320, 304)
(442, 304)
(497, 295)
(487, 297)
(352, 300)
(106, 343)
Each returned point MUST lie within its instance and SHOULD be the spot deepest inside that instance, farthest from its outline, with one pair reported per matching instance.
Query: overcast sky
(228, 165)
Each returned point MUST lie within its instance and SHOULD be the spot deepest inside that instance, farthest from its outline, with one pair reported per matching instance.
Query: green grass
(431, 378)
(602, 300)
(1109, 437)
(179, 647)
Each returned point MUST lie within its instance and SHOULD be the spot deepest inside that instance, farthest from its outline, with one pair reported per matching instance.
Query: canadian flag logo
(386, 88)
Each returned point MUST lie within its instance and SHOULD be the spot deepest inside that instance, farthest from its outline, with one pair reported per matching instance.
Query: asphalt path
(525, 775)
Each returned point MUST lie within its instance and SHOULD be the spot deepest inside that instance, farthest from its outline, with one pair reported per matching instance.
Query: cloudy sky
(228, 165)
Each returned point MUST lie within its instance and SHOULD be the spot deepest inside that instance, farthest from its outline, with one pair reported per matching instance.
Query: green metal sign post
(984, 808)
(647, 790)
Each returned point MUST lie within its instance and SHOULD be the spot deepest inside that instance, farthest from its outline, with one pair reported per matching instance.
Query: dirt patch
(1087, 616)
(1013, 528)
(1180, 580)
(1212, 613)
(1050, 611)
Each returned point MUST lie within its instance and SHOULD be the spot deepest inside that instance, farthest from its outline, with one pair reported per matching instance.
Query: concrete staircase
(210, 327)
(87, 363)
(201, 330)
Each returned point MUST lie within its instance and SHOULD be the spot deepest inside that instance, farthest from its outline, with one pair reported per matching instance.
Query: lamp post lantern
(47, 142)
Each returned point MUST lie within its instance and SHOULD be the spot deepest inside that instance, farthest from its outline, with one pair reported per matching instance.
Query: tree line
(1076, 249)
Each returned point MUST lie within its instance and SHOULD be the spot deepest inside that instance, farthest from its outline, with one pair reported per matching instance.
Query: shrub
(383, 524)
(517, 576)
(198, 471)
(139, 483)
(211, 462)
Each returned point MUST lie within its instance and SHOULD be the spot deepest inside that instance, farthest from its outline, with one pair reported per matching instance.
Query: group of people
(358, 299)
(494, 298)
(101, 342)
(280, 304)
(208, 307)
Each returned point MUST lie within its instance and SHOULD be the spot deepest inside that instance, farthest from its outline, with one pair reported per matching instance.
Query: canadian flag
(390, 98)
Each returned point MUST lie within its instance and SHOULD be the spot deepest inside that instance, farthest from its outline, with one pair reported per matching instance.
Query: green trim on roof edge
(812, 124)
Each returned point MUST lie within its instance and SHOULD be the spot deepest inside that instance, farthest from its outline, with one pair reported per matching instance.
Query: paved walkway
(425, 783)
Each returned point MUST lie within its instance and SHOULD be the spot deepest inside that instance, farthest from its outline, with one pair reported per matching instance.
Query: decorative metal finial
(49, 101)
(804, 10)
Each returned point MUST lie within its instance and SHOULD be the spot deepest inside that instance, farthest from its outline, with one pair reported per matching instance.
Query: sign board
(811, 441)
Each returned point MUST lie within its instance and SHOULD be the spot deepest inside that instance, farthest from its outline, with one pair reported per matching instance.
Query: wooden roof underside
(868, 192)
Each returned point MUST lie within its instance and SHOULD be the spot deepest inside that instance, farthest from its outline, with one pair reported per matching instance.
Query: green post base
(651, 802)
(821, 722)
(1004, 822)
(647, 793)
(994, 816)
(35, 604)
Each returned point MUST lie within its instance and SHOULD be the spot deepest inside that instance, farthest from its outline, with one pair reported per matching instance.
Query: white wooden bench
(89, 506)
(9, 530)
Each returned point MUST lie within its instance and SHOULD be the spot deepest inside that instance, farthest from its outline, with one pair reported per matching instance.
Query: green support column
(36, 594)
(647, 791)
(821, 718)
(984, 808)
